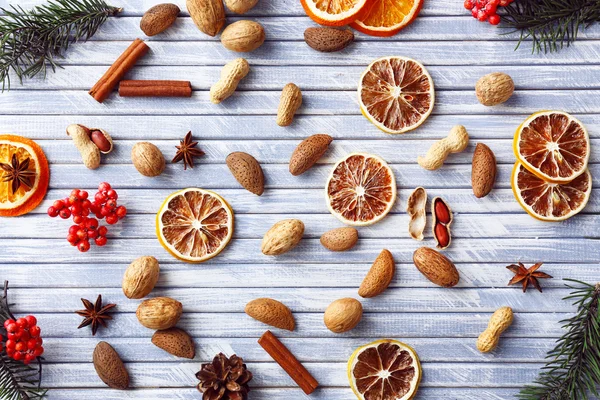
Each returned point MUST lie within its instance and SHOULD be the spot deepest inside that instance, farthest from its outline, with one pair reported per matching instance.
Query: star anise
(186, 151)
(17, 173)
(224, 379)
(527, 275)
(94, 314)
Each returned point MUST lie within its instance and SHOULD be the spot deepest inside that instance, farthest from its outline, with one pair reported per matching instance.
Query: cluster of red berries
(23, 341)
(486, 10)
(80, 207)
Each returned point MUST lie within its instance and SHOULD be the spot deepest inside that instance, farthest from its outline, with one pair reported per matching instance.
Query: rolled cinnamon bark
(155, 88)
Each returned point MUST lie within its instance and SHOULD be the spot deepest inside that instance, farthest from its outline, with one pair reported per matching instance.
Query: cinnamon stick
(117, 71)
(155, 88)
(288, 362)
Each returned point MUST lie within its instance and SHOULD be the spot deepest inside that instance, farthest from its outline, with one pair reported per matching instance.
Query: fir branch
(30, 41)
(574, 367)
(551, 24)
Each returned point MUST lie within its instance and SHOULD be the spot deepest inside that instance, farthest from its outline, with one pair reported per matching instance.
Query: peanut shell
(436, 267)
(289, 103)
(110, 367)
(175, 341)
(308, 153)
(271, 312)
(343, 315)
(415, 208)
(379, 276)
(247, 171)
(243, 36)
(340, 239)
(282, 237)
(483, 170)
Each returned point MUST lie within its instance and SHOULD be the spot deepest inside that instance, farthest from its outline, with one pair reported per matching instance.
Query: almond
(343, 315)
(243, 36)
(282, 237)
(483, 170)
(271, 312)
(159, 313)
(247, 171)
(158, 18)
(379, 276)
(328, 39)
(110, 367)
(140, 277)
(340, 239)
(175, 341)
(208, 15)
(436, 267)
(308, 153)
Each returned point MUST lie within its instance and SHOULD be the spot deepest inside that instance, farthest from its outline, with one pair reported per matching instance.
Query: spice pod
(442, 219)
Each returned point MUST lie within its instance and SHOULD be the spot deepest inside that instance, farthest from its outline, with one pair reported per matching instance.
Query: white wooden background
(49, 277)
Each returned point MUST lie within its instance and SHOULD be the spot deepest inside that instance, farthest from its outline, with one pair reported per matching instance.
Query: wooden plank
(179, 275)
(254, 226)
(393, 300)
(347, 127)
(247, 251)
(78, 350)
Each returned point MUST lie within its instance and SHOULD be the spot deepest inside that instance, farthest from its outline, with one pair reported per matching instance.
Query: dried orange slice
(361, 189)
(384, 370)
(396, 94)
(194, 225)
(333, 12)
(386, 18)
(31, 179)
(549, 201)
(553, 145)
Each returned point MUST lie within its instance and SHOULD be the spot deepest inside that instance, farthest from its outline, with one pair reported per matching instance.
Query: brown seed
(328, 39)
(308, 153)
(483, 170)
(271, 312)
(175, 341)
(102, 140)
(340, 239)
(158, 18)
(442, 219)
(247, 171)
(110, 367)
(436, 267)
(379, 276)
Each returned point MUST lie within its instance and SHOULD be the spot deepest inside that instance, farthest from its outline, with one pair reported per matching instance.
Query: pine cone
(224, 379)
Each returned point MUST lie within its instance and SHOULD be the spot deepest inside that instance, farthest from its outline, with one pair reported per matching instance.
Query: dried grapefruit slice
(194, 225)
(549, 201)
(31, 181)
(384, 370)
(553, 145)
(386, 18)
(396, 94)
(333, 12)
(361, 189)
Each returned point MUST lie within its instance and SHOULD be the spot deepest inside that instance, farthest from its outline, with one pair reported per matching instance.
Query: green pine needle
(551, 24)
(30, 41)
(573, 369)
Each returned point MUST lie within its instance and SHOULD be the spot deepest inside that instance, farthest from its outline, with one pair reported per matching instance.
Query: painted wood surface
(49, 278)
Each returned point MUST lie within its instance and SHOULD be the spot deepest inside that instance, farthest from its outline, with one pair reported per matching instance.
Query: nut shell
(208, 15)
(110, 367)
(328, 39)
(240, 6)
(159, 313)
(271, 312)
(140, 277)
(436, 267)
(340, 239)
(147, 159)
(416, 209)
(175, 341)
(483, 170)
(158, 18)
(243, 36)
(247, 171)
(282, 237)
(343, 315)
(308, 153)
(379, 276)
(495, 88)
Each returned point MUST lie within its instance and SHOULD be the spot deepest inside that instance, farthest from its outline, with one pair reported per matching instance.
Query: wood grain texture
(48, 277)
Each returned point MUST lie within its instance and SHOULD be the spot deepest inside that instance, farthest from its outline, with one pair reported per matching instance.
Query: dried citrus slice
(384, 370)
(396, 94)
(24, 175)
(361, 189)
(553, 145)
(386, 18)
(549, 201)
(333, 12)
(194, 225)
